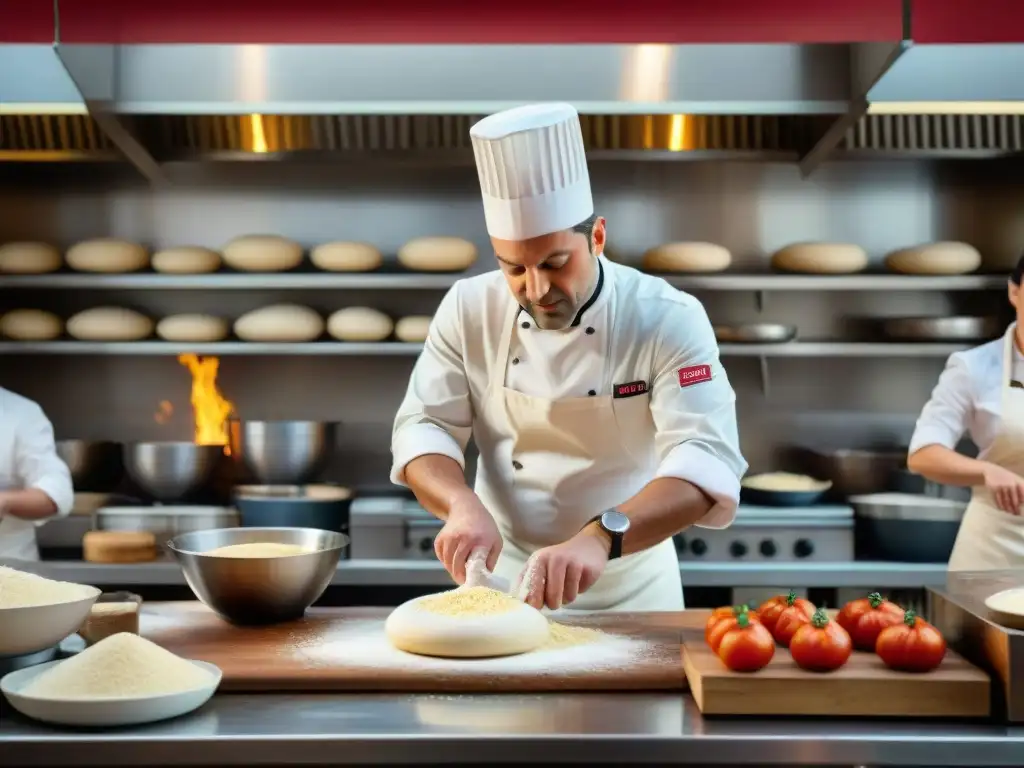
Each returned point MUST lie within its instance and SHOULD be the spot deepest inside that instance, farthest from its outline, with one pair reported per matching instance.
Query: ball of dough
(31, 325)
(109, 324)
(289, 323)
(192, 328)
(414, 629)
(108, 255)
(29, 258)
(821, 258)
(346, 257)
(262, 253)
(437, 254)
(359, 324)
(687, 257)
(413, 328)
(947, 258)
(186, 260)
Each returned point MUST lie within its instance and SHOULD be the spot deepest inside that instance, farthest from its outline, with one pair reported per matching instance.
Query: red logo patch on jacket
(694, 374)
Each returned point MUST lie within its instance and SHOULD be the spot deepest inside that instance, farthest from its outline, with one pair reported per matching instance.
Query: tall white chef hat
(533, 171)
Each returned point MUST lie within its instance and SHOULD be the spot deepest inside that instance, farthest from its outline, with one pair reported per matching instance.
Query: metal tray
(755, 333)
(942, 328)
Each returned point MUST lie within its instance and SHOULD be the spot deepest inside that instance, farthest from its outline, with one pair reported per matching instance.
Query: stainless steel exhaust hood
(33, 80)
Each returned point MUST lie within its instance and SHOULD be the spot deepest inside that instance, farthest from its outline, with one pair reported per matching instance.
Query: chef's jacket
(663, 337)
(967, 399)
(28, 459)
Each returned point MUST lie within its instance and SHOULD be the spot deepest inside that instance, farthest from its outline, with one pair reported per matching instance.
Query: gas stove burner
(68, 647)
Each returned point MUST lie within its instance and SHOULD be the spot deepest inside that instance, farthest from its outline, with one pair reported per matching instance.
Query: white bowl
(34, 628)
(104, 712)
(1007, 607)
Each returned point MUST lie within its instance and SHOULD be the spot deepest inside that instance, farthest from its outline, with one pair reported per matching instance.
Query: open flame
(211, 410)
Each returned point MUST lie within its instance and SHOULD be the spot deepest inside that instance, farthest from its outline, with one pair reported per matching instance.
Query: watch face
(615, 521)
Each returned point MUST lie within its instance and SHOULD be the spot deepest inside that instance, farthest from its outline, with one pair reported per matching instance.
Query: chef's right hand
(1006, 488)
(469, 527)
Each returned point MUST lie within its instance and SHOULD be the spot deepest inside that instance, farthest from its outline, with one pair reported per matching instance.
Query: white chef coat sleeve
(695, 417)
(944, 418)
(436, 416)
(36, 463)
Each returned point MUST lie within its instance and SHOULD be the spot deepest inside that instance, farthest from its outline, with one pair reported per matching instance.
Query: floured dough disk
(821, 258)
(108, 255)
(262, 253)
(687, 257)
(437, 254)
(31, 325)
(109, 324)
(195, 328)
(346, 257)
(280, 323)
(29, 258)
(468, 622)
(186, 260)
(413, 328)
(359, 324)
(948, 258)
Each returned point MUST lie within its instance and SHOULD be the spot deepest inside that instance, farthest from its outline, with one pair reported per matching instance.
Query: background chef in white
(604, 419)
(35, 484)
(981, 393)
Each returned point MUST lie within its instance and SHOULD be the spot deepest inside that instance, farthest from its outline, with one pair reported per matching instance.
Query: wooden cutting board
(864, 687)
(345, 649)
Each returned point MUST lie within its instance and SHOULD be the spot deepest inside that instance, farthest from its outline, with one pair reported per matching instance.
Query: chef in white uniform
(35, 484)
(604, 419)
(981, 394)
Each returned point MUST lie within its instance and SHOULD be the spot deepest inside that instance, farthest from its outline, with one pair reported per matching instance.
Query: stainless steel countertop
(401, 573)
(571, 728)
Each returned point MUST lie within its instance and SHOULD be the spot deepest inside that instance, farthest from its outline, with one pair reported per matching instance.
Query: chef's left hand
(558, 574)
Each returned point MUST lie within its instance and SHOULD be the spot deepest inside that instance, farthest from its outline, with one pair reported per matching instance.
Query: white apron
(17, 537)
(990, 538)
(547, 467)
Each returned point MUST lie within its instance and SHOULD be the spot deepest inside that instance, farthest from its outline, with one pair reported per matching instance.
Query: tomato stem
(820, 619)
(738, 609)
(743, 620)
(876, 599)
(910, 617)
(791, 597)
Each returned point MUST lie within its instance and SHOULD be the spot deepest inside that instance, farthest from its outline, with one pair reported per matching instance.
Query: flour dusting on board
(363, 644)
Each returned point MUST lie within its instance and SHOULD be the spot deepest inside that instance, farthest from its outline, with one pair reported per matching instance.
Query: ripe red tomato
(746, 646)
(865, 617)
(913, 645)
(727, 612)
(772, 608)
(796, 613)
(714, 633)
(821, 645)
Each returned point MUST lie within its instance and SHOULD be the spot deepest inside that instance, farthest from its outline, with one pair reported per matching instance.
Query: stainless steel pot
(852, 471)
(165, 524)
(283, 452)
(171, 471)
(96, 465)
(755, 333)
(905, 527)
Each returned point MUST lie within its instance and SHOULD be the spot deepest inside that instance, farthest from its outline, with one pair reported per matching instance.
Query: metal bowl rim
(344, 540)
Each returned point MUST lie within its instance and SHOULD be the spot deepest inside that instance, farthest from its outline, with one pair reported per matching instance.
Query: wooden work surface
(345, 649)
(864, 687)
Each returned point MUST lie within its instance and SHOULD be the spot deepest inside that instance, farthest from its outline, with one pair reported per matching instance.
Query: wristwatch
(615, 524)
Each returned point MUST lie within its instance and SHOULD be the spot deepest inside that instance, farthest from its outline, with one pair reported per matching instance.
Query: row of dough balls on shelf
(252, 253)
(284, 323)
(941, 258)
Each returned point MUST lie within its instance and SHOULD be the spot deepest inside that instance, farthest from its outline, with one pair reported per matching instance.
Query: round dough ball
(109, 324)
(346, 257)
(687, 257)
(413, 629)
(821, 258)
(437, 254)
(29, 258)
(262, 253)
(186, 260)
(359, 324)
(192, 328)
(947, 258)
(413, 328)
(108, 255)
(289, 323)
(31, 325)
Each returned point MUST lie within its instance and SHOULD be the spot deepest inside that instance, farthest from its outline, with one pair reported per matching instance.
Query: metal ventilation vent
(62, 136)
(937, 133)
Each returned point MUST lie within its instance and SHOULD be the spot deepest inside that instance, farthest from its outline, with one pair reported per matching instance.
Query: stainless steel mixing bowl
(266, 590)
(171, 471)
(283, 452)
(95, 465)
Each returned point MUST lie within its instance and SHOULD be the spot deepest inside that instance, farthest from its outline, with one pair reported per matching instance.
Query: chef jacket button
(592, 393)
(516, 465)
(590, 330)
(526, 325)
(515, 361)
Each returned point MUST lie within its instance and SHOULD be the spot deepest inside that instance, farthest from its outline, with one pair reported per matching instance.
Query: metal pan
(942, 328)
(755, 333)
